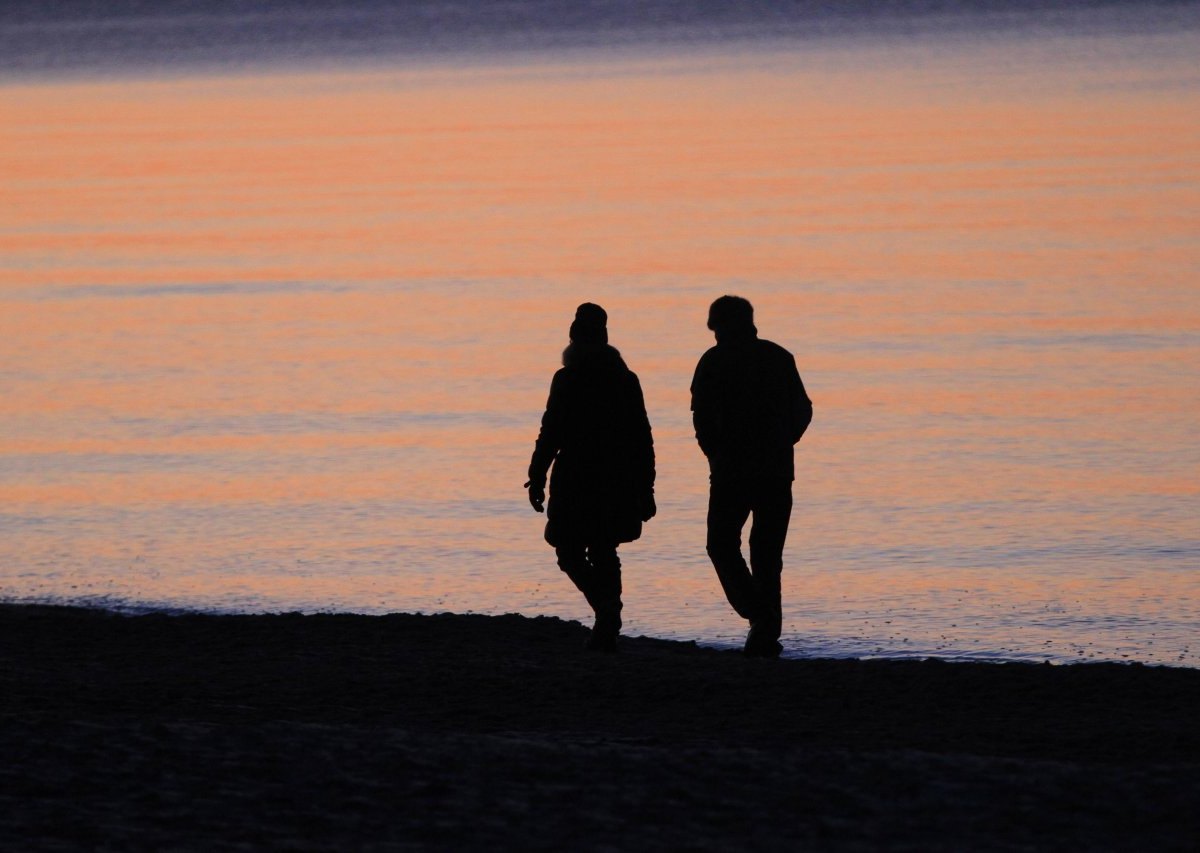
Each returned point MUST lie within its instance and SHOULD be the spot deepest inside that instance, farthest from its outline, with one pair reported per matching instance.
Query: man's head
(731, 315)
(590, 325)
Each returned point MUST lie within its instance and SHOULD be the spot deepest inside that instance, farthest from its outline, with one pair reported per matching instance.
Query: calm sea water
(275, 338)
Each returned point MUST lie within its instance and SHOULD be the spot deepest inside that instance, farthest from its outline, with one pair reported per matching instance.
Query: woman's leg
(606, 587)
(573, 560)
(606, 574)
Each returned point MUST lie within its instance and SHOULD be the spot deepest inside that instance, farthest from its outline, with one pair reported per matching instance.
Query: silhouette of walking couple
(749, 409)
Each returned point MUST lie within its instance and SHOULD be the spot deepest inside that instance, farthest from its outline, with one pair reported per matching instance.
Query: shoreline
(802, 647)
(201, 731)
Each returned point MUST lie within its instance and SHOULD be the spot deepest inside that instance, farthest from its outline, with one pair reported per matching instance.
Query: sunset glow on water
(280, 340)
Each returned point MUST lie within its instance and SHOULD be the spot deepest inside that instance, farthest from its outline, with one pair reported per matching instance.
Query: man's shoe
(759, 645)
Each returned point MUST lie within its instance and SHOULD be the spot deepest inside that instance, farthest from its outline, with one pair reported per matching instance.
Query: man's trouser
(752, 589)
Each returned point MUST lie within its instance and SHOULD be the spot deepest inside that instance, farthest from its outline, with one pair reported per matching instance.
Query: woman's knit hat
(590, 325)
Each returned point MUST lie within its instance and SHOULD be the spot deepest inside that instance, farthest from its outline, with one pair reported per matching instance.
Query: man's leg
(728, 509)
(772, 506)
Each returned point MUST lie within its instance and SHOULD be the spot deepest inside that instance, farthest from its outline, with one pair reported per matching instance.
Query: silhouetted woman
(596, 433)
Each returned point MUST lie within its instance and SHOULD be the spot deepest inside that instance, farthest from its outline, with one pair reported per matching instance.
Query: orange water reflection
(284, 339)
(750, 170)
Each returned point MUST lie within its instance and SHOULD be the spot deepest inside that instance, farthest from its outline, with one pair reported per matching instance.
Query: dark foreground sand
(455, 732)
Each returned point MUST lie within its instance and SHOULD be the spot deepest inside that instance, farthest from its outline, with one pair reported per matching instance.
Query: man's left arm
(801, 405)
(705, 417)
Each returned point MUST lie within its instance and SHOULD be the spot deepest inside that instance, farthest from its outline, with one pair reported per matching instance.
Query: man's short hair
(729, 313)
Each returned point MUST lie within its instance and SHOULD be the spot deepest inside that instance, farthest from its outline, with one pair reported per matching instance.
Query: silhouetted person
(596, 433)
(749, 409)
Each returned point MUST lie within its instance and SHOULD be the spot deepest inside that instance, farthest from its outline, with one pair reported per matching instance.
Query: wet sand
(455, 732)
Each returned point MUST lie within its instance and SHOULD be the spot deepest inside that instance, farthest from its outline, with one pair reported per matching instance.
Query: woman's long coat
(596, 433)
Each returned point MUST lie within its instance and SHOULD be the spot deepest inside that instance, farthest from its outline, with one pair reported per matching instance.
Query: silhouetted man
(749, 408)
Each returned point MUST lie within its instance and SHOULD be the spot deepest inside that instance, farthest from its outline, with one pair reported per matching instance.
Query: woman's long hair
(579, 354)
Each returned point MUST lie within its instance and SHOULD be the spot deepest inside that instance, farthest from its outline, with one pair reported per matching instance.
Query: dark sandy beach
(435, 732)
